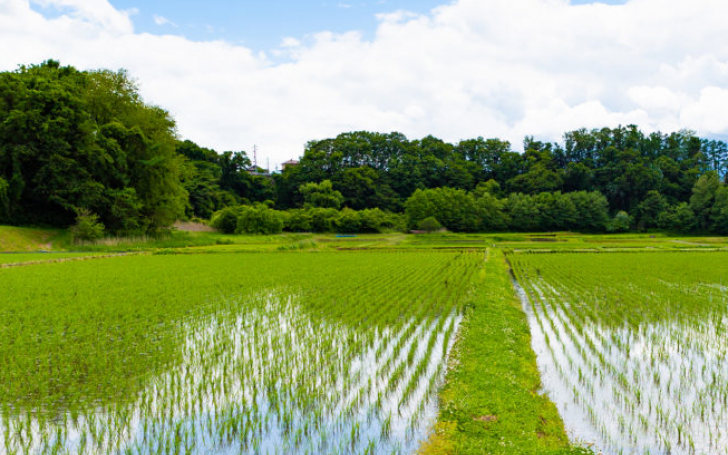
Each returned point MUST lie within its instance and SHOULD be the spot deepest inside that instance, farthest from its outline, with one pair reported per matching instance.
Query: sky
(278, 73)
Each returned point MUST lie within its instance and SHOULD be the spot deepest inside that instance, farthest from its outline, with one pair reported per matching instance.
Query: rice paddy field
(632, 346)
(228, 353)
(377, 344)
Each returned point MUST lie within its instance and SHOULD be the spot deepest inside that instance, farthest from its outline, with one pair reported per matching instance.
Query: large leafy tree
(455, 209)
(321, 195)
(74, 141)
(701, 202)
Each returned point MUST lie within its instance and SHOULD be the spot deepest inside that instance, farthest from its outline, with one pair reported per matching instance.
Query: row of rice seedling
(635, 344)
(228, 353)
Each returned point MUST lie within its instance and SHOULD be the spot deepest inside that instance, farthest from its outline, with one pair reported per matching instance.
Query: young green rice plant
(283, 352)
(640, 340)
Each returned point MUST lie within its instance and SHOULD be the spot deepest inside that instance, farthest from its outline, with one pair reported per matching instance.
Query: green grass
(167, 240)
(28, 239)
(491, 401)
(31, 239)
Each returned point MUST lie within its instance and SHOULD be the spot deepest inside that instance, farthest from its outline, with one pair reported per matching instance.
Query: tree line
(83, 143)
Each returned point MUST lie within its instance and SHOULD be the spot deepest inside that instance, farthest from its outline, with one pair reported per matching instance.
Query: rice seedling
(632, 346)
(228, 353)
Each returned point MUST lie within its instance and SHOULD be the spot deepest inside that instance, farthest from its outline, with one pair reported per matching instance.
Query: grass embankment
(14, 238)
(490, 403)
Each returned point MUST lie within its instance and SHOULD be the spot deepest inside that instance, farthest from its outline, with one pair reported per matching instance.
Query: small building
(289, 163)
(259, 172)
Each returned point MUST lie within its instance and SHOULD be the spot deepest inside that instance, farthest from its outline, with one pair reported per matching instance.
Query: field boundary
(59, 260)
(490, 402)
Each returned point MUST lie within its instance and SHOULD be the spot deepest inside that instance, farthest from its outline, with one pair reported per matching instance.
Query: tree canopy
(657, 180)
(74, 141)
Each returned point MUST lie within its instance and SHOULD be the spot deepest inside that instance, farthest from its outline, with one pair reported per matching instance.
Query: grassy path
(490, 403)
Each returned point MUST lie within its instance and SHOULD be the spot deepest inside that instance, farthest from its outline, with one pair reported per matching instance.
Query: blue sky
(262, 24)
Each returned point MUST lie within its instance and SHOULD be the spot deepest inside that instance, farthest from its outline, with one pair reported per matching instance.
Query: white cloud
(95, 13)
(289, 41)
(161, 20)
(494, 68)
(709, 110)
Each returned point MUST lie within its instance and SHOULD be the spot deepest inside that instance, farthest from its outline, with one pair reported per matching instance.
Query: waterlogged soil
(646, 386)
(267, 379)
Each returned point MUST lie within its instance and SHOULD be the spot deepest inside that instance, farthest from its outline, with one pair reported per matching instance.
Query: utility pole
(255, 157)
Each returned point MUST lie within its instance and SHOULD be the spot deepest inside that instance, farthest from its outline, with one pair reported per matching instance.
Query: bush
(298, 221)
(323, 220)
(455, 209)
(429, 224)
(372, 220)
(620, 223)
(260, 220)
(349, 221)
(87, 227)
(679, 218)
(225, 220)
(523, 211)
(492, 213)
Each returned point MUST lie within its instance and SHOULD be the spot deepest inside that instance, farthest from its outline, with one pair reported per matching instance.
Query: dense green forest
(84, 145)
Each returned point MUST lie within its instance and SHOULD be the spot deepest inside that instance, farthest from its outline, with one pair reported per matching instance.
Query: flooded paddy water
(635, 365)
(261, 353)
(270, 379)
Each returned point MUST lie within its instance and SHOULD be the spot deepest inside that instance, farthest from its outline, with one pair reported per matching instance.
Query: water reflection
(265, 379)
(656, 387)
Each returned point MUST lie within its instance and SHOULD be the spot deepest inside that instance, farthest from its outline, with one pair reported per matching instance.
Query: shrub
(323, 220)
(375, 220)
(225, 220)
(87, 227)
(259, 220)
(455, 209)
(679, 218)
(429, 224)
(298, 221)
(349, 221)
(620, 223)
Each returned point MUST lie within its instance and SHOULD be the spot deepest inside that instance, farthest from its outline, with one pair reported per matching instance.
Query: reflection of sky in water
(657, 388)
(269, 380)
